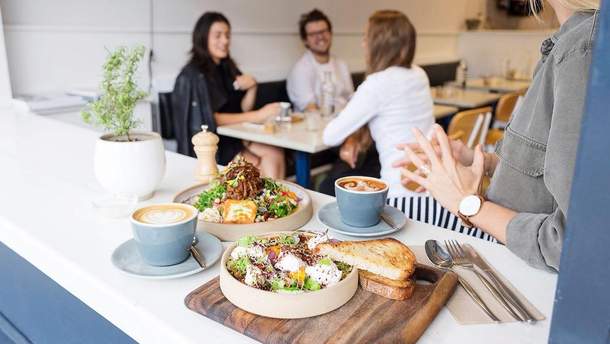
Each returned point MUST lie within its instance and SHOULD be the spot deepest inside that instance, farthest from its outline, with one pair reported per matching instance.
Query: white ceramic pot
(130, 168)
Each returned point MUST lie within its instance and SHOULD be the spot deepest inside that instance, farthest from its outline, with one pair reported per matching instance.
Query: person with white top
(304, 82)
(394, 98)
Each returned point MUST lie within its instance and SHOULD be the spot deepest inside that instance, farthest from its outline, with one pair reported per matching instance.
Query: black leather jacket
(195, 99)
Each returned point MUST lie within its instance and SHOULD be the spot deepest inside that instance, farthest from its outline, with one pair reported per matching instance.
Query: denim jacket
(538, 152)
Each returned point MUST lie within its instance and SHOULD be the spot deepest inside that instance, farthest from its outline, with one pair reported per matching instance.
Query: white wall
(60, 44)
(5, 81)
(486, 52)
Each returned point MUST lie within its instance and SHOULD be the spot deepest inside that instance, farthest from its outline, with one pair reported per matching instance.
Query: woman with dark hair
(393, 99)
(210, 90)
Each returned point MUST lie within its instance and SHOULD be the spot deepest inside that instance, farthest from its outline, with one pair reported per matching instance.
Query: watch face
(470, 205)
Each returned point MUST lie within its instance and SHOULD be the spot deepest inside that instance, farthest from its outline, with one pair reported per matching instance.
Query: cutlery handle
(473, 294)
(512, 298)
(195, 253)
(497, 295)
(389, 221)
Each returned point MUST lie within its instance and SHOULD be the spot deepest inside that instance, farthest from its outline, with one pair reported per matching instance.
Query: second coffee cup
(360, 200)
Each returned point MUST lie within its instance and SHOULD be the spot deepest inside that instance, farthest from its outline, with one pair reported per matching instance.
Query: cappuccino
(164, 214)
(360, 200)
(164, 232)
(362, 185)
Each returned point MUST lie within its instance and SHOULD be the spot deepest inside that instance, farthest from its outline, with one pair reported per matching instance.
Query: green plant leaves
(114, 109)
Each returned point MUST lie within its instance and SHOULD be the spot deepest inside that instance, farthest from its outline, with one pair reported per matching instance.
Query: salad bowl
(284, 303)
(232, 232)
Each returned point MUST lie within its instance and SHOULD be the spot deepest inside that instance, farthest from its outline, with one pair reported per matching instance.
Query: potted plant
(126, 162)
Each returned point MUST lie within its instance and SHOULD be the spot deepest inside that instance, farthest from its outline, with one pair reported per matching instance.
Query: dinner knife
(476, 259)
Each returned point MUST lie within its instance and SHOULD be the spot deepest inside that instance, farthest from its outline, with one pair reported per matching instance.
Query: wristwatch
(469, 206)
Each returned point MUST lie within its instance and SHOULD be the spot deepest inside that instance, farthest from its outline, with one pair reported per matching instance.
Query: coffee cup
(163, 233)
(361, 200)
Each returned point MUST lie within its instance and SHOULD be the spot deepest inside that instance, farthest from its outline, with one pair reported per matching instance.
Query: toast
(383, 280)
(387, 257)
(395, 290)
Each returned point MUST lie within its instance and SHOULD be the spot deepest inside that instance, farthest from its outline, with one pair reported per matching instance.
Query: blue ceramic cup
(361, 200)
(164, 232)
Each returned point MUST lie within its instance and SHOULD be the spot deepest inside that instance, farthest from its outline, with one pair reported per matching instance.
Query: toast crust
(390, 292)
(386, 257)
(383, 280)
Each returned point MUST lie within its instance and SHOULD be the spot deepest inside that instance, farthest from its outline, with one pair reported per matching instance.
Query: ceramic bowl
(232, 232)
(285, 306)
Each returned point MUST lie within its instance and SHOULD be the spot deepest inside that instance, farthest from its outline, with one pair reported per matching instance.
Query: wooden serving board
(366, 318)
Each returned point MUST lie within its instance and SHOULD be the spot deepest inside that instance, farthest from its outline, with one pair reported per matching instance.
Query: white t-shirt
(304, 82)
(392, 102)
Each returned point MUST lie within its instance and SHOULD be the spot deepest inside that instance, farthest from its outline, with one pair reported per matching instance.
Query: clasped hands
(445, 168)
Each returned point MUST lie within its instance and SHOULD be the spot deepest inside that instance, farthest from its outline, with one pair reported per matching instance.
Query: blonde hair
(391, 41)
(574, 5)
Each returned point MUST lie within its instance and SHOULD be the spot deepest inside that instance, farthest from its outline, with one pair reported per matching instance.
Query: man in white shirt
(305, 79)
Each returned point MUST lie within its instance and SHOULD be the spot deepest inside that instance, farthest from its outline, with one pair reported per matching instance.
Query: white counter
(47, 184)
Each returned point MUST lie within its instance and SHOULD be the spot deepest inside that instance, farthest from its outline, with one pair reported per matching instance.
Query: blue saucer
(329, 216)
(127, 259)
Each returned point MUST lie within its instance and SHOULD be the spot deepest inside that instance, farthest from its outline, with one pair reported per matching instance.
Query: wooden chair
(463, 123)
(506, 106)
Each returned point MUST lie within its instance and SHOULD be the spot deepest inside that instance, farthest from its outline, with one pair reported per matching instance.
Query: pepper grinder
(205, 145)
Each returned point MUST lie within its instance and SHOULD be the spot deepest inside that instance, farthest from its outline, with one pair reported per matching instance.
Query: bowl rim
(229, 249)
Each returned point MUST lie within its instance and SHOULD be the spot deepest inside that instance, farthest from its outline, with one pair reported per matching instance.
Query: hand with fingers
(349, 151)
(442, 168)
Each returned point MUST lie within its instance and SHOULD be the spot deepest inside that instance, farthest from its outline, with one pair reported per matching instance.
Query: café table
(59, 285)
(297, 137)
(498, 85)
(463, 98)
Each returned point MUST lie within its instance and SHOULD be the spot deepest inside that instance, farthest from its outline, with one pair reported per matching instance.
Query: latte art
(163, 214)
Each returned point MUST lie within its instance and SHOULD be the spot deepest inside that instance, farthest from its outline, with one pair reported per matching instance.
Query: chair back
(506, 106)
(463, 123)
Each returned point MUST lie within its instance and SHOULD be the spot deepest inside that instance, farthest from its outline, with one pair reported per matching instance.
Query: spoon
(441, 258)
(195, 252)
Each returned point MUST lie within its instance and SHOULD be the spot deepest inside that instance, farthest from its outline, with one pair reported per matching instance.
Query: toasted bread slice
(383, 280)
(385, 257)
(370, 282)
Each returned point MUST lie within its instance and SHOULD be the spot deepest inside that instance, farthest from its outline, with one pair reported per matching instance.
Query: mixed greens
(242, 183)
(285, 263)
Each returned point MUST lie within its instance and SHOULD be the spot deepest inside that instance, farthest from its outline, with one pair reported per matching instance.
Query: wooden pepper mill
(205, 146)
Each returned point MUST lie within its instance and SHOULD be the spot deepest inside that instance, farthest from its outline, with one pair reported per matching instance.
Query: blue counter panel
(33, 308)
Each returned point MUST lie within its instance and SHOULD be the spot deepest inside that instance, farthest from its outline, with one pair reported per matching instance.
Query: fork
(460, 259)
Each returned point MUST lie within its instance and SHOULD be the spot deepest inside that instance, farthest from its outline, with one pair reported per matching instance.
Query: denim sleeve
(537, 238)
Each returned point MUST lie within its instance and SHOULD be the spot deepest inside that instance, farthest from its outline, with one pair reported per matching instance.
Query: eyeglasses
(318, 33)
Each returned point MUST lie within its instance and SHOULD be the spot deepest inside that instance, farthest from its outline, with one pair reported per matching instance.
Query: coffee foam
(359, 184)
(162, 214)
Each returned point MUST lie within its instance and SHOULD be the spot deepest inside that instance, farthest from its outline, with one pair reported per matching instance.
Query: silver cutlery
(389, 221)
(441, 258)
(508, 293)
(195, 252)
(459, 258)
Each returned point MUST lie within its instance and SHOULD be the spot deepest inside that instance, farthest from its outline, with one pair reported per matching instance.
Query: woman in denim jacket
(527, 202)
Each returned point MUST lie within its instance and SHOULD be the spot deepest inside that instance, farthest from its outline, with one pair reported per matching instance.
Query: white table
(498, 84)
(464, 98)
(46, 217)
(296, 137)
